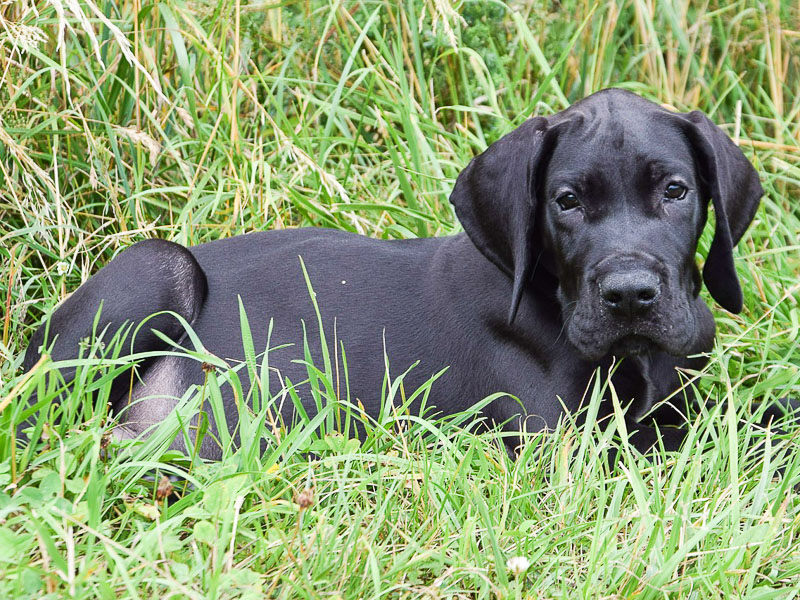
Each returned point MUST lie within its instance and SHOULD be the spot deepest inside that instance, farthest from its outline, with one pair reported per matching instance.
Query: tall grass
(193, 121)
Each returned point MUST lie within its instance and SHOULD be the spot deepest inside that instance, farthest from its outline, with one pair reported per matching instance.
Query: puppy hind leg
(149, 277)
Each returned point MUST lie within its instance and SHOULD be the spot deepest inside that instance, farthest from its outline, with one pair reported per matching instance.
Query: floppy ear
(495, 200)
(735, 193)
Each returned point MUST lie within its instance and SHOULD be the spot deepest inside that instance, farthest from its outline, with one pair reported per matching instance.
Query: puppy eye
(568, 201)
(675, 191)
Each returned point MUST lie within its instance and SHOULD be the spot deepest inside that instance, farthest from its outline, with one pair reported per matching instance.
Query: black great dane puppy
(579, 246)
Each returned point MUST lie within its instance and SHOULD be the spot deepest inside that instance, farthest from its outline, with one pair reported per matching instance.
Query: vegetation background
(197, 120)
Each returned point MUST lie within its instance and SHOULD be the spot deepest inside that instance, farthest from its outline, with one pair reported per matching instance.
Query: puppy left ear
(735, 193)
(495, 201)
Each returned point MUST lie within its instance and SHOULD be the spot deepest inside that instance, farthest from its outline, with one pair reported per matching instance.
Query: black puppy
(581, 232)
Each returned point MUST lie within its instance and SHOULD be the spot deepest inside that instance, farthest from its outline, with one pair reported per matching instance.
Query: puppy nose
(629, 293)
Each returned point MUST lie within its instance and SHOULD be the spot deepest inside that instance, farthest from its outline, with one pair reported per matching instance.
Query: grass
(198, 120)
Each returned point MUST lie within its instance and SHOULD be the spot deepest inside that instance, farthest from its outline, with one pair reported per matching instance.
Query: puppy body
(553, 230)
(415, 303)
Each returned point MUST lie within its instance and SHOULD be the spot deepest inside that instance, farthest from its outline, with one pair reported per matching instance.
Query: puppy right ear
(735, 194)
(495, 200)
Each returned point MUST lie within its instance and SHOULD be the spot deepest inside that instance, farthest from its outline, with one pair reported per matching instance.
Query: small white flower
(517, 565)
(62, 267)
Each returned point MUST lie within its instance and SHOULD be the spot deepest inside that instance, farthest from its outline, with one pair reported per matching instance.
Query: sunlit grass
(194, 121)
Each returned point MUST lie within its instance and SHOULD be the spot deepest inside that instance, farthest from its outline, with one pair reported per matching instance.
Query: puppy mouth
(595, 334)
(633, 345)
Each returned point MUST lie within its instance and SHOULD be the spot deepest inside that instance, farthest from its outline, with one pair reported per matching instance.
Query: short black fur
(533, 297)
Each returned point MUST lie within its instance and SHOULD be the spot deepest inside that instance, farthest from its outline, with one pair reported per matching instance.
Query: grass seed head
(305, 498)
(164, 488)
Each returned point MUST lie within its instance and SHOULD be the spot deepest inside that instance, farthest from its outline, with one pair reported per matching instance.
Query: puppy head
(611, 195)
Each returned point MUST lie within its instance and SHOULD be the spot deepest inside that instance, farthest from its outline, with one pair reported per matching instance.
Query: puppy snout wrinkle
(630, 292)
